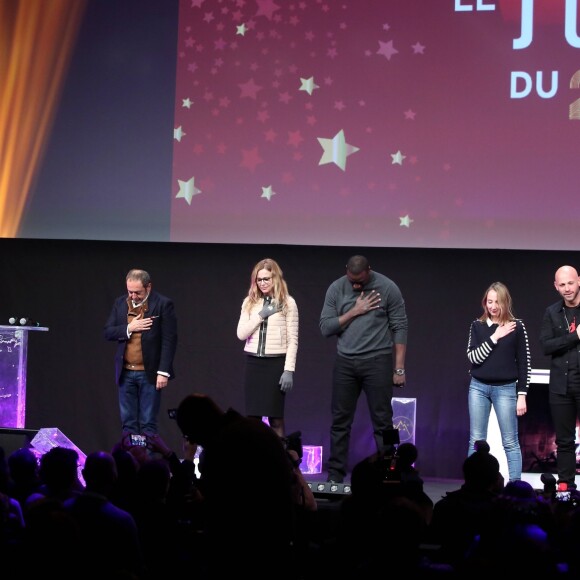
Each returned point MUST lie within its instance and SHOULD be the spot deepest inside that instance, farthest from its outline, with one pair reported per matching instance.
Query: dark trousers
(350, 377)
(565, 410)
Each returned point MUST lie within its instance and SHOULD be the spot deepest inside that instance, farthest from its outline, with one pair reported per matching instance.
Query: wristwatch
(400, 372)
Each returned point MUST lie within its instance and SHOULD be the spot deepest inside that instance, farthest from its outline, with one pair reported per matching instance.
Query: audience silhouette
(58, 474)
(143, 514)
(105, 529)
(11, 517)
(521, 523)
(51, 542)
(460, 515)
(247, 482)
(387, 509)
(24, 477)
(159, 533)
(123, 492)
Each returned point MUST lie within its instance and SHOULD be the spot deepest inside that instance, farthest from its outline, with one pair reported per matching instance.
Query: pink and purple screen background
(453, 138)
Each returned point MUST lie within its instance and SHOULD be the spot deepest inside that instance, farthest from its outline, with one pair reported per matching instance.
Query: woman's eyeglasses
(259, 280)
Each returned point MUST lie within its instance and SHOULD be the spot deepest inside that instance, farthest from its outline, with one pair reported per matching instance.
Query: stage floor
(437, 488)
(434, 487)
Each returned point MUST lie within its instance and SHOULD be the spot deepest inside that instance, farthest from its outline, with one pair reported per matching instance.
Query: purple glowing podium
(13, 354)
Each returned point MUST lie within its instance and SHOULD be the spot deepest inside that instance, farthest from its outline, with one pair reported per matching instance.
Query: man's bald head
(567, 283)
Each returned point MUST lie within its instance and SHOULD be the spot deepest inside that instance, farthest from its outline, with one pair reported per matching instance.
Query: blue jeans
(350, 377)
(139, 403)
(504, 399)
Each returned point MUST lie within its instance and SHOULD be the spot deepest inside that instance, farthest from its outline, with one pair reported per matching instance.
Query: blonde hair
(279, 286)
(504, 300)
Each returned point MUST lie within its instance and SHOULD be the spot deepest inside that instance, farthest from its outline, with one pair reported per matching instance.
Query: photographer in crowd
(387, 508)
(247, 482)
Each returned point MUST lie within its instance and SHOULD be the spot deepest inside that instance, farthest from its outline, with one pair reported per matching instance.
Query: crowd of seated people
(144, 512)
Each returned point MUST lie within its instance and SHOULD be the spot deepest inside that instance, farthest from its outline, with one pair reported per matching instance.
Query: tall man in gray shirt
(366, 311)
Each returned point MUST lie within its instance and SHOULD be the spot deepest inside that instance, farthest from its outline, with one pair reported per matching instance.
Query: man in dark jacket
(144, 324)
(560, 339)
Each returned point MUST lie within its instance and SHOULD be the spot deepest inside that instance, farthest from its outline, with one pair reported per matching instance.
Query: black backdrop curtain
(69, 286)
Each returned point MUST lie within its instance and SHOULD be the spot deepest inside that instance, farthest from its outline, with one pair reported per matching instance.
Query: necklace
(571, 325)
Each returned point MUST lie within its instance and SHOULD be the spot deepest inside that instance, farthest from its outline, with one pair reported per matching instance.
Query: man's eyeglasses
(259, 280)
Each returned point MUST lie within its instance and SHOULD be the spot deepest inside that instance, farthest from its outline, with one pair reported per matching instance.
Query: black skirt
(262, 386)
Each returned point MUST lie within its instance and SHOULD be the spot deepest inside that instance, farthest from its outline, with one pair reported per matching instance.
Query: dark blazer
(158, 344)
(558, 343)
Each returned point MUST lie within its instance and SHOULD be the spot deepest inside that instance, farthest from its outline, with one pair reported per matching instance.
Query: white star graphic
(397, 158)
(308, 85)
(241, 29)
(387, 49)
(187, 103)
(336, 150)
(187, 190)
(405, 221)
(418, 48)
(268, 192)
(178, 134)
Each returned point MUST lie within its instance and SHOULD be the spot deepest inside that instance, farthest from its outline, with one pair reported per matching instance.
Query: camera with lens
(389, 457)
(293, 442)
(559, 491)
(566, 495)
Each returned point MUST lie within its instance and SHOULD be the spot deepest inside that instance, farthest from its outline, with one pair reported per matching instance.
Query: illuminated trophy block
(404, 411)
(13, 353)
(50, 437)
(311, 459)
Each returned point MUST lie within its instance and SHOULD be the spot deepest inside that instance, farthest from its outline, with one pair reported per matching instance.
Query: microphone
(137, 304)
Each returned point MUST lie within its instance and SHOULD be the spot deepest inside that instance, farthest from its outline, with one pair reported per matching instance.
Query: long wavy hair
(504, 300)
(279, 286)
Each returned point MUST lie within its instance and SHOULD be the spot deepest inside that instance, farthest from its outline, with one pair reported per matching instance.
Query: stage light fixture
(328, 490)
